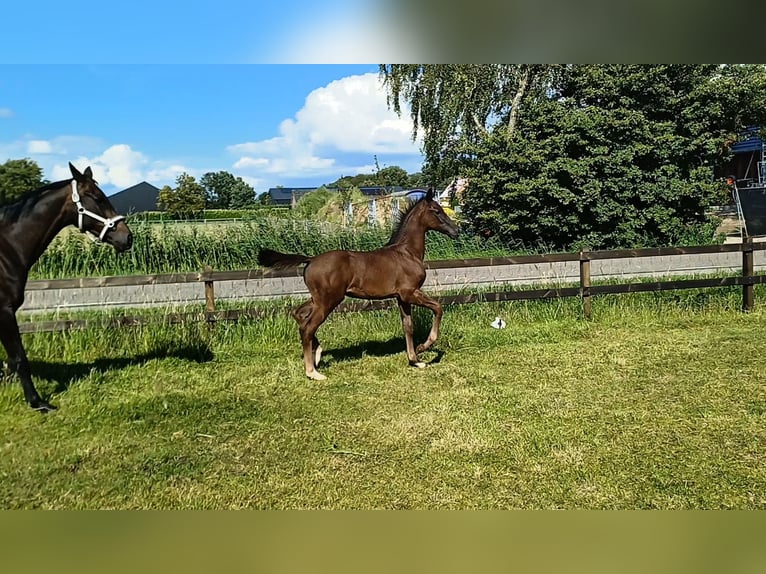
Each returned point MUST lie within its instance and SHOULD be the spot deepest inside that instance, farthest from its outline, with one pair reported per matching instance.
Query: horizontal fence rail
(585, 290)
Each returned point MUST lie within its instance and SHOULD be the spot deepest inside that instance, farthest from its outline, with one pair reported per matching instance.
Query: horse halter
(108, 223)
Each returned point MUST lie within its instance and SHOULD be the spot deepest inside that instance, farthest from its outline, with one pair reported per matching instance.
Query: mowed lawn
(657, 402)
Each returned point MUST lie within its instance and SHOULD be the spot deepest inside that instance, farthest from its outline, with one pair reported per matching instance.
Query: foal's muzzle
(451, 230)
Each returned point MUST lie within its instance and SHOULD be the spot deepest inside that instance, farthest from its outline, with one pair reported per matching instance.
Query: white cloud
(166, 175)
(120, 166)
(340, 122)
(44, 151)
(249, 162)
(114, 167)
(6, 113)
(39, 146)
(357, 32)
(352, 115)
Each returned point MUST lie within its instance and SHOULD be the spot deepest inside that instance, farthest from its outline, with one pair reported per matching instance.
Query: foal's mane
(401, 220)
(12, 212)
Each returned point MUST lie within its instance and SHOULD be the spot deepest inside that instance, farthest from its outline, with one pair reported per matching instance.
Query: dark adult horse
(26, 228)
(395, 270)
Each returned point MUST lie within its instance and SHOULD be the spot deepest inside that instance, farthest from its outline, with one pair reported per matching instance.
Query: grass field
(657, 402)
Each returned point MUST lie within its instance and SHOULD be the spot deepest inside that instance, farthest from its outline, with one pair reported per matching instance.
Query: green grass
(657, 402)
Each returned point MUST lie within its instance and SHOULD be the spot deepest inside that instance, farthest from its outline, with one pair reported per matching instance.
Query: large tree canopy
(17, 177)
(597, 156)
(458, 104)
(224, 190)
(186, 200)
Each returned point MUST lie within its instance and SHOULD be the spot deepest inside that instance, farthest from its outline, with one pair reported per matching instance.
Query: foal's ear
(88, 173)
(430, 194)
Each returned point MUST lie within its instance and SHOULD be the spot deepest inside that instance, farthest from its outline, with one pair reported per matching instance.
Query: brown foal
(396, 270)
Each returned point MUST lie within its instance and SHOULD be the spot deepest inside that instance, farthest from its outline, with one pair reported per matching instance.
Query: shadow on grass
(393, 346)
(421, 320)
(64, 374)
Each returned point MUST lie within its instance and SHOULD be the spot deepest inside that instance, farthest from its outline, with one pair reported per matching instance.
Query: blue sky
(224, 31)
(280, 124)
(147, 90)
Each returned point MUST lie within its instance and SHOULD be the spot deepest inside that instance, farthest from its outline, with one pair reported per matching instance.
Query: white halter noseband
(81, 211)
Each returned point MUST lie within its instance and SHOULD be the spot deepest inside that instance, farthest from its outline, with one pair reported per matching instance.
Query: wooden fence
(585, 290)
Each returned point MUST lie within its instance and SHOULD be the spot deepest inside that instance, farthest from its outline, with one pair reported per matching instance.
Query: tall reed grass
(166, 248)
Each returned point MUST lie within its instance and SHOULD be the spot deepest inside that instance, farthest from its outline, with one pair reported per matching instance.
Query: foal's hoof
(418, 364)
(423, 347)
(316, 375)
(41, 406)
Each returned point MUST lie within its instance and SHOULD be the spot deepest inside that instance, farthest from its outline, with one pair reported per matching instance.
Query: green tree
(186, 201)
(309, 205)
(224, 190)
(614, 156)
(458, 105)
(392, 176)
(416, 181)
(17, 177)
(242, 196)
(359, 180)
(263, 199)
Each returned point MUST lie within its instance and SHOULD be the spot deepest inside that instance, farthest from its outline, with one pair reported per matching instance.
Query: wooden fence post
(747, 274)
(585, 284)
(209, 297)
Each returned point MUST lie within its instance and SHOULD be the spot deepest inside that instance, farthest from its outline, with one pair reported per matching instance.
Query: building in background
(136, 199)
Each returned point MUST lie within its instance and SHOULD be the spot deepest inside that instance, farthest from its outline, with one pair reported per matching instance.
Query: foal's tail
(277, 260)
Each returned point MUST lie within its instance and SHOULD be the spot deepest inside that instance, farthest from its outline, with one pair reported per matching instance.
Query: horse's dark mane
(396, 235)
(11, 212)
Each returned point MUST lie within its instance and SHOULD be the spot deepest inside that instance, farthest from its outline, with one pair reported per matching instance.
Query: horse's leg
(17, 359)
(312, 351)
(421, 299)
(405, 310)
(317, 350)
(301, 314)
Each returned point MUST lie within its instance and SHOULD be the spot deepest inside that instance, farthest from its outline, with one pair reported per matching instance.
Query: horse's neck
(413, 238)
(33, 231)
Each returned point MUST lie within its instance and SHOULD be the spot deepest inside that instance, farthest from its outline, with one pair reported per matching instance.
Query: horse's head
(434, 217)
(95, 214)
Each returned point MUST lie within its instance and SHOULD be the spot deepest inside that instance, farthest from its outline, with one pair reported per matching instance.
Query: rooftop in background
(747, 164)
(291, 195)
(750, 141)
(135, 199)
(381, 189)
